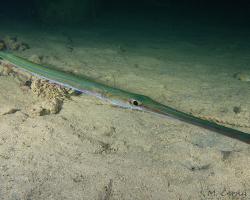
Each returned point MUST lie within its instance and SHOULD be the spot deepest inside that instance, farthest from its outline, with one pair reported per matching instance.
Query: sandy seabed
(92, 150)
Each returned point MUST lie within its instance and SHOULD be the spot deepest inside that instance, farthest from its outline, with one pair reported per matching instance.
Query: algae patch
(13, 44)
(51, 95)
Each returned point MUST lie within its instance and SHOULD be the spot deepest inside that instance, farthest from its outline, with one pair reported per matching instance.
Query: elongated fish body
(116, 96)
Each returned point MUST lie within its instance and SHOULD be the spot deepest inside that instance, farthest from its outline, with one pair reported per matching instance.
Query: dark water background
(228, 12)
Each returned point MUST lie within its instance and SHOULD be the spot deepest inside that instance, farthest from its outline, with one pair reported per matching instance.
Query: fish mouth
(164, 110)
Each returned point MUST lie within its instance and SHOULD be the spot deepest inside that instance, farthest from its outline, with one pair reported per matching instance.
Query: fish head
(136, 102)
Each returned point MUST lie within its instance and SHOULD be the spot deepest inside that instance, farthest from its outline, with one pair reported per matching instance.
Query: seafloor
(92, 150)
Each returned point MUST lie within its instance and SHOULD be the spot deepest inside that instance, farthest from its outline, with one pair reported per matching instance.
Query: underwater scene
(113, 100)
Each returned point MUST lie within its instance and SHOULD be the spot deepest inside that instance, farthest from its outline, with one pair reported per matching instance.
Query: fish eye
(135, 102)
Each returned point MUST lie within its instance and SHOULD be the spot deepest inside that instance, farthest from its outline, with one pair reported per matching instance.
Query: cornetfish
(116, 96)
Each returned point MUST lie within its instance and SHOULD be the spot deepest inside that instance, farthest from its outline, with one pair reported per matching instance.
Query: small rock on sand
(242, 76)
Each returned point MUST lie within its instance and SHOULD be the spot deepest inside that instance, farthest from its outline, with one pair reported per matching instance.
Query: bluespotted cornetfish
(116, 96)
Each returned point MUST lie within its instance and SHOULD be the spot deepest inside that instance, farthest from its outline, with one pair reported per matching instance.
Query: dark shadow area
(14, 9)
(89, 11)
